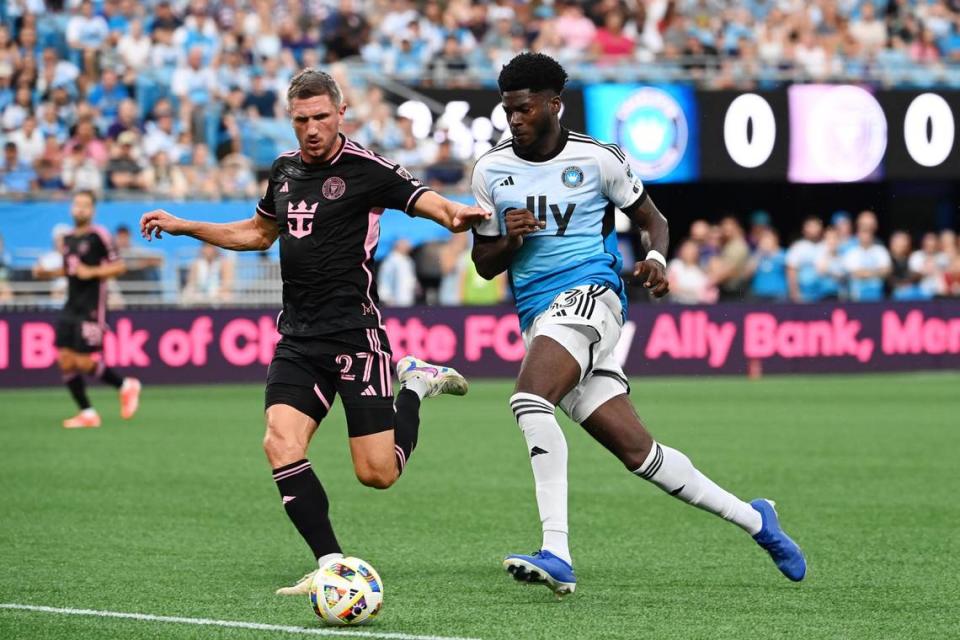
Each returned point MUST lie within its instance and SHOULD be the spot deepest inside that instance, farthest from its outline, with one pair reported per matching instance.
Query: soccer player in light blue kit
(553, 194)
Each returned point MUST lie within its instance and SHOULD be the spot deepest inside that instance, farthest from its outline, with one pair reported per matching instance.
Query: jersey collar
(564, 135)
(332, 161)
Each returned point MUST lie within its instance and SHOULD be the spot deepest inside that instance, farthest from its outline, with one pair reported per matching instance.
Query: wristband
(656, 256)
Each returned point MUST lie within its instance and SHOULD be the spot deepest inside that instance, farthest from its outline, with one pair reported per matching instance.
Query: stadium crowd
(177, 97)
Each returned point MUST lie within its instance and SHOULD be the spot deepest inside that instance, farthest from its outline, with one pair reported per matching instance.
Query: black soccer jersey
(328, 215)
(87, 299)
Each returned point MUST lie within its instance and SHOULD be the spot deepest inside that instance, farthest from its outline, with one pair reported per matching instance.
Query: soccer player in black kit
(323, 201)
(89, 260)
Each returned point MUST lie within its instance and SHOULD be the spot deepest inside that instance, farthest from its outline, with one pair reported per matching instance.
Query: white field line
(233, 624)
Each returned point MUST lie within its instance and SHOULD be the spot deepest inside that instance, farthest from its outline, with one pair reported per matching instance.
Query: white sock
(416, 384)
(674, 473)
(322, 560)
(89, 412)
(548, 457)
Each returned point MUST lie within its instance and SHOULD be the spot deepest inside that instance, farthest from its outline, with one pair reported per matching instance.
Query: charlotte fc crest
(572, 177)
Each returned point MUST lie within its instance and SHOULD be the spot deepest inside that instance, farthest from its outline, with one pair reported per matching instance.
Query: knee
(377, 477)
(281, 447)
(66, 362)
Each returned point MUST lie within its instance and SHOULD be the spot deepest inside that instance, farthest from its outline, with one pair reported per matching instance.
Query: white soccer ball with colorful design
(347, 591)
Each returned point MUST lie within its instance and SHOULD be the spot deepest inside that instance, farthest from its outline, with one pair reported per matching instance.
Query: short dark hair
(88, 193)
(310, 83)
(533, 71)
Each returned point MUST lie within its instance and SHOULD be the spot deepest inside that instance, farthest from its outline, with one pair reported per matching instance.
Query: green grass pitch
(175, 514)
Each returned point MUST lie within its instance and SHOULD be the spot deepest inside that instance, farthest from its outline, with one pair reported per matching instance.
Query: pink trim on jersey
(102, 302)
(369, 243)
(340, 152)
(266, 214)
(323, 400)
(414, 195)
(353, 149)
(386, 382)
(107, 241)
(287, 154)
(300, 468)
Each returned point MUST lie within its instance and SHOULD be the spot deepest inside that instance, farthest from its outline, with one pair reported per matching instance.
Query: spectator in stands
(925, 50)
(48, 177)
(163, 179)
(450, 65)
(868, 30)
(86, 34)
(17, 111)
(16, 176)
(50, 124)
(902, 282)
(135, 47)
(210, 280)
(446, 171)
(124, 170)
(929, 265)
(87, 142)
(611, 44)
(728, 270)
(236, 177)
(397, 277)
(868, 264)
(345, 31)
(689, 283)
(260, 99)
(161, 132)
(831, 277)
(453, 261)
(840, 220)
(200, 174)
(576, 31)
(81, 173)
(29, 140)
(194, 84)
(52, 261)
(802, 277)
(769, 268)
(142, 263)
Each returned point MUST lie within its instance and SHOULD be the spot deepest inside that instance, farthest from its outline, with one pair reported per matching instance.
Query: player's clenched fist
(519, 223)
(654, 277)
(154, 222)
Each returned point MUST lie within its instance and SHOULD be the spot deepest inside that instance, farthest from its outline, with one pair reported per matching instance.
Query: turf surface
(175, 514)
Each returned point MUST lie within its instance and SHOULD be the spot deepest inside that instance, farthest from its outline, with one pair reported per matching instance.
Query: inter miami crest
(333, 188)
(572, 177)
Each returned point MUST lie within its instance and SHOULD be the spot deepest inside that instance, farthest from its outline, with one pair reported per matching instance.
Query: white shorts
(586, 320)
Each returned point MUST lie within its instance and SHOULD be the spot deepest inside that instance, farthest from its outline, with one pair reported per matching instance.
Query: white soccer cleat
(437, 379)
(302, 588)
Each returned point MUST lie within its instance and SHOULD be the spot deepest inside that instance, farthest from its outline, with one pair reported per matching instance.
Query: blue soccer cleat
(542, 568)
(785, 552)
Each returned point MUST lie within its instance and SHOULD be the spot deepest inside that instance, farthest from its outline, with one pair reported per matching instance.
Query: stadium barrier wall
(235, 345)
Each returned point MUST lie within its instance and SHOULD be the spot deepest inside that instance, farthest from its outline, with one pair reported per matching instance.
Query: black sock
(109, 376)
(78, 389)
(307, 506)
(407, 425)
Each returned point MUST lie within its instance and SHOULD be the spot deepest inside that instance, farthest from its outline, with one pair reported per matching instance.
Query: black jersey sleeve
(107, 250)
(396, 187)
(267, 207)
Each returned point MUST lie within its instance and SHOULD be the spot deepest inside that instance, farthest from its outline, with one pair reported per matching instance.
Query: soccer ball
(347, 591)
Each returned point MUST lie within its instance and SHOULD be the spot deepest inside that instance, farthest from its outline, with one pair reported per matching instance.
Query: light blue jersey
(576, 193)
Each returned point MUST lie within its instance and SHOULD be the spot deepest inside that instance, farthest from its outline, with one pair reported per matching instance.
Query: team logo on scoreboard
(651, 128)
(572, 177)
(333, 188)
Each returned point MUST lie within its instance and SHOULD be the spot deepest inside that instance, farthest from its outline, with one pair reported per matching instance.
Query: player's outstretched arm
(493, 254)
(656, 239)
(101, 272)
(453, 215)
(253, 234)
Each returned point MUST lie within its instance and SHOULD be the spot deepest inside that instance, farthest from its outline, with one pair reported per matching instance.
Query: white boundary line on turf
(225, 623)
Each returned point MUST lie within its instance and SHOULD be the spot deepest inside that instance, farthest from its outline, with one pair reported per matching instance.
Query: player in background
(553, 193)
(89, 260)
(323, 201)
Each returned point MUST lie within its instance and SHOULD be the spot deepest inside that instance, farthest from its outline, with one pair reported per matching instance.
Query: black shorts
(77, 334)
(308, 373)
